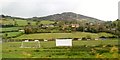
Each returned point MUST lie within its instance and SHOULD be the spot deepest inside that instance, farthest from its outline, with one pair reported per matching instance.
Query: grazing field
(46, 22)
(6, 21)
(24, 22)
(12, 34)
(19, 22)
(10, 29)
(80, 49)
(62, 35)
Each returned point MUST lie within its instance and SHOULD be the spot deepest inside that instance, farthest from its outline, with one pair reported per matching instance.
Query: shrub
(15, 50)
(102, 51)
(84, 38)
(109, 45)
(75, 38)
(100, 45)
(102, 37)
(99, 56)
(114, 49)
(10, 51)
(88, 37)
(36, 50)
(112, 37)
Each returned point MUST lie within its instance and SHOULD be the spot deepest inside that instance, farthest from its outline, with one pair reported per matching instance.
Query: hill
(68, 16)
(65, 16)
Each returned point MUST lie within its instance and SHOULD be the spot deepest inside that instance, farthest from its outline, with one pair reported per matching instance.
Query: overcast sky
(101, 9)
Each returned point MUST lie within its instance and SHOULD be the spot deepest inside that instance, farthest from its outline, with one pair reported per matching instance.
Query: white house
(21, 31)
(36, 40)
(26, 41)
(45, 40)
(63, 42)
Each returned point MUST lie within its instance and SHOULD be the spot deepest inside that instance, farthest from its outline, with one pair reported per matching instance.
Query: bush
(109, 45)
(75, 38)
(84, 38)
(10, 51)
(88, 37)
(112, 37)
(15, 50)
(36, 50)
(100, 45)
(103, 37)
(102, 51)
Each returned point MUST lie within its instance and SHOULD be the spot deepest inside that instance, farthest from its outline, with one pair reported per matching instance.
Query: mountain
(69, 16)
(66, 16)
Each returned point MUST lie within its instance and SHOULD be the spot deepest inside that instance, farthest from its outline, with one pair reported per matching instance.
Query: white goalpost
(30, 44)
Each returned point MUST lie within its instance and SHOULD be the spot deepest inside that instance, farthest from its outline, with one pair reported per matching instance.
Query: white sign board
(63, 42)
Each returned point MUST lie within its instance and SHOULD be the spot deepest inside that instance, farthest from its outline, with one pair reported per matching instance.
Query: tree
(80, 28)
(15, 22)
(3, 16)
(28, 28)
(37, 23)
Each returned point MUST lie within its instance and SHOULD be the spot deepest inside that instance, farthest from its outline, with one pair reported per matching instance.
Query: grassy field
(12, 34)
(9, 29)
(46, 22)
(62, 35)
(80, 49)
(24, 22)
(6, 21)
(20, 22)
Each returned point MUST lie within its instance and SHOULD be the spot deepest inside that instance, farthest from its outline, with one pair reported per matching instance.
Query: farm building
(63, 42)
(75, 25)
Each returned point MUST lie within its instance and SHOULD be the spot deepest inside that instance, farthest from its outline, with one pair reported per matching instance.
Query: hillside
(69, 16)
(65, 16)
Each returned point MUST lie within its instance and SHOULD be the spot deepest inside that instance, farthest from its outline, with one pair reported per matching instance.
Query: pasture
(10, 29)
(12, 34)
(80, 49)
(63, 35)
(22, 23)
(46, 22)
(19, 22)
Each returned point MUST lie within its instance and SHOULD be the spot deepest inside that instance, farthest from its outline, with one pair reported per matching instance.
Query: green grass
(24, 22)
(7, 21)
(12, 34)
(46, 22)
(62, 35)
(10, 29)
(49, 50)
(20, 22)
(105, 34)
(0, 50)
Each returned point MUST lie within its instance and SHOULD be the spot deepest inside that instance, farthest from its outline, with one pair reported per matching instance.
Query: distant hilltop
(66, 16)
(69, 16)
